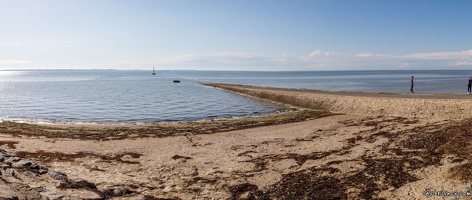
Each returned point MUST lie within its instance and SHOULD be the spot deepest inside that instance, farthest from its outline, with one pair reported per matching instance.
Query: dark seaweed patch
(11, 144)
(64, 157)
(244, 191)
(175, 157)
(412, 149)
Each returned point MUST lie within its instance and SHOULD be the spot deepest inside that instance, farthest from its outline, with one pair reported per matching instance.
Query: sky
(255, 35)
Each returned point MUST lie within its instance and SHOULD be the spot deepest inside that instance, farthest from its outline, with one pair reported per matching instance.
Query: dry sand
(344, 156)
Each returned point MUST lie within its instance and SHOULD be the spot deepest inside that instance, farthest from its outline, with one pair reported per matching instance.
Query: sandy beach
(334, 145)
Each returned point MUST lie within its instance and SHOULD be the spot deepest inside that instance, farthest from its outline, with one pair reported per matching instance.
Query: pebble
(29, 174)
(55, 196)
(57, 175)
(8, 163)
(118, 192)
(12, 159)
(5, 166)
(21, 163)
(140, 197)
(10, 171)
(195, 173)
(42, 171)
(34, 166)
(22, 188)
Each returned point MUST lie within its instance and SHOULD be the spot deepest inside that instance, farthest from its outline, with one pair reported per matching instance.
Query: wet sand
(300, 155)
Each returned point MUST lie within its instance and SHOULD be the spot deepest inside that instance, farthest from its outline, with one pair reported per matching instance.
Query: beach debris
(175, 157)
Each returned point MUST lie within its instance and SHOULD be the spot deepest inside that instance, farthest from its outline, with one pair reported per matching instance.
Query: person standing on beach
(469, 84)
(411, 84)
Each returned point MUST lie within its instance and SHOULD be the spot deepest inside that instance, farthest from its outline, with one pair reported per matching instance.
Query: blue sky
(236, 34)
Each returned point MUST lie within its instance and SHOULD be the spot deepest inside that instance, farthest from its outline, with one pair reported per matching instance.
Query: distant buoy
(176, 81)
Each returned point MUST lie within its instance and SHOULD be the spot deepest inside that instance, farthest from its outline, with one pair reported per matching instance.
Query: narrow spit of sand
(390, 146)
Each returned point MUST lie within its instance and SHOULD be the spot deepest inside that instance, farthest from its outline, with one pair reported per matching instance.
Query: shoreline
(304, 154)
(349, 92)
(44, 122)
(281, 110)
(92, 131)
(239, 88)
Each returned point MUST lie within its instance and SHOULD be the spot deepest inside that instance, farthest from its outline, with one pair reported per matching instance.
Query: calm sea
(138, 96)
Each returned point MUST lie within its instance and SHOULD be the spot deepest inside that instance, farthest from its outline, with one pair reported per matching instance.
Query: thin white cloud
(226, 60)
(318, 54)
(463, 63)
(431, 60)
(220, 57)
(314, 53)
(442, 55)
(370, 55)
(365, 55)
(423, 56)
(14, 62)
(315, 60)
(403, 65)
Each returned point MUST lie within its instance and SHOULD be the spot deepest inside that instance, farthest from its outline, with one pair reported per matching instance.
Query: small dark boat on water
(176, 81)
(153, 71)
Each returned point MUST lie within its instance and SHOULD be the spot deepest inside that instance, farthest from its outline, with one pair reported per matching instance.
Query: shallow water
(138, 96)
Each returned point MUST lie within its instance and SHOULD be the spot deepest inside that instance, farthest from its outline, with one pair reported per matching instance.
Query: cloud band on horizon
(316, 60)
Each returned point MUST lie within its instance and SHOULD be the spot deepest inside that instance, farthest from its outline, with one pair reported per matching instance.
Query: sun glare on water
(9, 74)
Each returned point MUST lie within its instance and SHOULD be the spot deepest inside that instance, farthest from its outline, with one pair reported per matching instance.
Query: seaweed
(65, 157)
(157, 129)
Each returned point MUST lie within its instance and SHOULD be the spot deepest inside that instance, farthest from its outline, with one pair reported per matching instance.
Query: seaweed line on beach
(157, 129)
